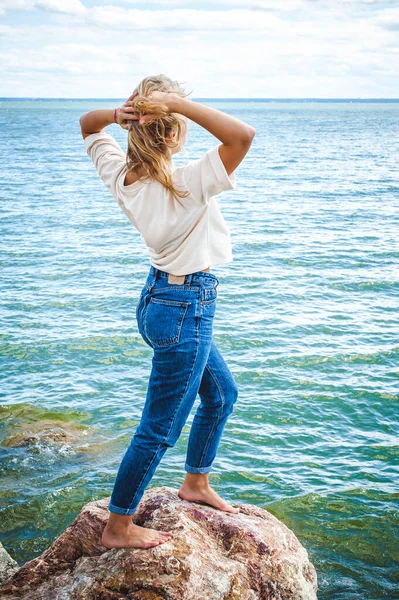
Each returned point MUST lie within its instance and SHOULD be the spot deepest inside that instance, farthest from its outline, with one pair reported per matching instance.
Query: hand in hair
(126, 113)
(162, 102)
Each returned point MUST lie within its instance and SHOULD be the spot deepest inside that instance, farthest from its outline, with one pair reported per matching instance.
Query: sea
(307, 319)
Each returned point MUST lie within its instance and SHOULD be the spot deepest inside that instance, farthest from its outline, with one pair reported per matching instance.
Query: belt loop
(189, 278)
(154, 278)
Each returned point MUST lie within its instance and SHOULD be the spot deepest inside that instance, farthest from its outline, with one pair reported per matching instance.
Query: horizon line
(230, 99)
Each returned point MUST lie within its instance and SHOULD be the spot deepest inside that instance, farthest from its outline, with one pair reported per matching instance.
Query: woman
(179, 219)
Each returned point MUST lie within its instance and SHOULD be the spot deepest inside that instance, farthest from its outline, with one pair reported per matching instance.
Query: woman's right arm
(235, 135)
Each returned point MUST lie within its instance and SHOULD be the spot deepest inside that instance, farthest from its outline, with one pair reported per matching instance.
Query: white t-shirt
(180, 239)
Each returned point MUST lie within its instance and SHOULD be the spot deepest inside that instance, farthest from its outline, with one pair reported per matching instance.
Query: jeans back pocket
(163, 320)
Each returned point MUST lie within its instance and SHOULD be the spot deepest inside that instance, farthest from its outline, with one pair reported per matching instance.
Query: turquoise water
(307, 319)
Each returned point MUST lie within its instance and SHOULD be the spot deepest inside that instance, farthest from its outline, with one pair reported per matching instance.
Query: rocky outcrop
(213, 555)
(8, 565)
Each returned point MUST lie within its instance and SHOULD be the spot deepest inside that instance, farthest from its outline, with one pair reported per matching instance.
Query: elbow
(253, 132)
(243, 138)
(82, 119)
(249, 135)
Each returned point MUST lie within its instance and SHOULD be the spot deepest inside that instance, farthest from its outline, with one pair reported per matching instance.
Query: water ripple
(307, 319)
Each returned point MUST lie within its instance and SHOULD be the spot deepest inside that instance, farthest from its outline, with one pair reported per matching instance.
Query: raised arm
(94, 121)
(235, 135)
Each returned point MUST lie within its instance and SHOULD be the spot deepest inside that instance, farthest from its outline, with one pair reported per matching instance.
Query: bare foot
(133, 536)
(207, 495)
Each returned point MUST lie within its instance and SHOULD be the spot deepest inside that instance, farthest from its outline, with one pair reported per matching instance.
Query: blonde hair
(148, 144)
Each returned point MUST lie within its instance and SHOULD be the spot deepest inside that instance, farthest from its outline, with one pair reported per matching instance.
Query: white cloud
(178, 19)
(62, 6)
(339, 49)
(389, 19)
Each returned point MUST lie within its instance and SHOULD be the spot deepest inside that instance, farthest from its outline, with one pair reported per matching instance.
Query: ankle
(116, 529)
(119, 523)
(197, 481)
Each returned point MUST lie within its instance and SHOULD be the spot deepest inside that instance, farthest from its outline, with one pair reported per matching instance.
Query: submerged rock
(44, 436)
(39, 429)
(213, 555)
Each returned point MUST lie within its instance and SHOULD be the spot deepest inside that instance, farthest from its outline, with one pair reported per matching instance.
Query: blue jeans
(176, 321)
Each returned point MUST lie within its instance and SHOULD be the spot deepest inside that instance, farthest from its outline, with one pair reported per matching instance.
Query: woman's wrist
(174, 103)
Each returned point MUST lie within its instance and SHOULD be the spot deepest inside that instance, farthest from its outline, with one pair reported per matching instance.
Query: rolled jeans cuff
(120, 511)
(194, 470)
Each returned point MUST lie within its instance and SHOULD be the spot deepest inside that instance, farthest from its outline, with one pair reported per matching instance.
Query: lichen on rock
(213, 555)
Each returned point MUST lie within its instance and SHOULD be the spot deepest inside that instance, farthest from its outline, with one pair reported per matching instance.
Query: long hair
(148, 145)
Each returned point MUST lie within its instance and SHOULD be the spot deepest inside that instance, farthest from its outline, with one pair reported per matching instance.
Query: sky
(218, 49)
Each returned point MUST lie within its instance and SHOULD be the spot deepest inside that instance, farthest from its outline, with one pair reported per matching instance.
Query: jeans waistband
(190, 278)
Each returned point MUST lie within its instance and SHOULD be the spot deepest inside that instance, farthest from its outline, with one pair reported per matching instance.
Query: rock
(56, 434)
(39, 429)
(213, 555)
(8, 565)
(37, 436)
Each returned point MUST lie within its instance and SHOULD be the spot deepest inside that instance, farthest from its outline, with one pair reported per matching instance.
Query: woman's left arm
(94, 121)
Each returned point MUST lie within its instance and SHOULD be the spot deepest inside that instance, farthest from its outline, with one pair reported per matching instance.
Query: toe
(229, 508)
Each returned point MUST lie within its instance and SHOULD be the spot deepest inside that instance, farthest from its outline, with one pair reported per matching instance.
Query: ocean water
(307, 319)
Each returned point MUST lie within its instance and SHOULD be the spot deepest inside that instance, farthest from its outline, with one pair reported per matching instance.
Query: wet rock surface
(8, 565)
(213, 555)
(45, 436)
(40, 430)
